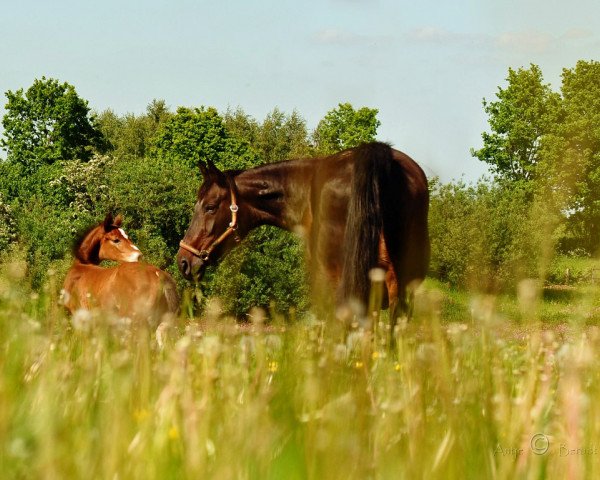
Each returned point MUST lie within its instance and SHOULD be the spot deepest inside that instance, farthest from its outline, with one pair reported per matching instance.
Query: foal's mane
(94, 250)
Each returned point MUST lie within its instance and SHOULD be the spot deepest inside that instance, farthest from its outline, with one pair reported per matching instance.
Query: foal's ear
(118, 220)
(108, 222)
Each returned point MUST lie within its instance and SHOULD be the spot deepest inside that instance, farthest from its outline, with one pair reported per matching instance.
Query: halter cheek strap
(232, 228)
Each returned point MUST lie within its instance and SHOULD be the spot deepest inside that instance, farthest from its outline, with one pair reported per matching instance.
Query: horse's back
(83, 284)
(149, 288)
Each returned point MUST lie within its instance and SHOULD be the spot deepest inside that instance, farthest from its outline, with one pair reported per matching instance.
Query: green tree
(50, 205)
(156, 197)
(8, 230)
(486, 235)
(267, 269)
(523, 113)
(573, 153)
(157, 111)
(48, 122)
(343, 127)
(199, 134)
(240, 125)
(130, 136)
(281, 136)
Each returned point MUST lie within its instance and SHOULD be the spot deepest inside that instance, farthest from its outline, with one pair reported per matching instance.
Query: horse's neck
(88, 250)
(276, 194)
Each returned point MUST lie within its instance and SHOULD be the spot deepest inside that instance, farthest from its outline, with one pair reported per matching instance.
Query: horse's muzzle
(191, 267)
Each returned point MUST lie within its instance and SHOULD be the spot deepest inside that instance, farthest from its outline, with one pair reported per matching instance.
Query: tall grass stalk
(482, 397)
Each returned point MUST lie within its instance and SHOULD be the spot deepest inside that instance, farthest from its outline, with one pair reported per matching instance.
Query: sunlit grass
(472, 381)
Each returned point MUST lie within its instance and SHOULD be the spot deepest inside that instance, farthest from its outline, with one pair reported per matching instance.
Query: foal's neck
(275, 194)
(87, 251)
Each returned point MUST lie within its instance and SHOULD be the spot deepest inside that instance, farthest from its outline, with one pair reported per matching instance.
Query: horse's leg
(393, 289)
(394, 299)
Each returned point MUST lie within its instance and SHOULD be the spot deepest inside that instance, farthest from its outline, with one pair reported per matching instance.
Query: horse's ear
(204, 170)
(118, 220)
(108, 221)
(210, 171)
(212, 167)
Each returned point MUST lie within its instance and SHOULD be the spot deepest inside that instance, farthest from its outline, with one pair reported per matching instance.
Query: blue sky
(425, 65)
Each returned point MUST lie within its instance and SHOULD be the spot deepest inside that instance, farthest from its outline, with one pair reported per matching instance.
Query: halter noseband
(232, 228)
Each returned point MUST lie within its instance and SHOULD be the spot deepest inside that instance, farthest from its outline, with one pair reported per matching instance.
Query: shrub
(484, 235)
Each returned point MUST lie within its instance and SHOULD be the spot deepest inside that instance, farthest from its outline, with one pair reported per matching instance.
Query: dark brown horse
(130, 289)
(361, 208)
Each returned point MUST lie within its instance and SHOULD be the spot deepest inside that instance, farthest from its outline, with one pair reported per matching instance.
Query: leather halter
(232, 228)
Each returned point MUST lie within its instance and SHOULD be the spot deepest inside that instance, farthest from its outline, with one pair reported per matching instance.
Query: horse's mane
(80, 238)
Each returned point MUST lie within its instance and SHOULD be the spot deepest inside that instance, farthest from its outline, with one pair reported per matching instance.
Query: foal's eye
(117, 240)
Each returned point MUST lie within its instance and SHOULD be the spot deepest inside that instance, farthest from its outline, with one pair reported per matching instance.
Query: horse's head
(106, 241)
(114, 243)
(212, 230)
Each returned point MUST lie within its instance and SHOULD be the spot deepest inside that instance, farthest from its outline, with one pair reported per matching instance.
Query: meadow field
(495, 376)
(477, 387)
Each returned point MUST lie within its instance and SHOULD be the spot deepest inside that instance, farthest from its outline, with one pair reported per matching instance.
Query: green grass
(472, 381)
(570, 270)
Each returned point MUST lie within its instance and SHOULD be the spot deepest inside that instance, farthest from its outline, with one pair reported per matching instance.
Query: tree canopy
(522, 114)
(131, 135)
(573, 152)
(192, 135)
(344, 127)
(47, 123)
(551, 141)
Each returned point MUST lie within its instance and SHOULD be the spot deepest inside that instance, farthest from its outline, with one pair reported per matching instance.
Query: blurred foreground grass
(478, 387)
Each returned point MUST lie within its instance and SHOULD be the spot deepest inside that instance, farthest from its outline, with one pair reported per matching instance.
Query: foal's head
(106, 241)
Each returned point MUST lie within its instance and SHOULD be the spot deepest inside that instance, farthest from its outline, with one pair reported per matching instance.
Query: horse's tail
(372, 174)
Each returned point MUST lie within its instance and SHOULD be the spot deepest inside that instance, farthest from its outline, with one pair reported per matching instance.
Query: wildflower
(273, 367)
(358, 364)
(375, 355)
(173, 433)
(141, 415)
(210, 447)
(81, 319)
(398, 367)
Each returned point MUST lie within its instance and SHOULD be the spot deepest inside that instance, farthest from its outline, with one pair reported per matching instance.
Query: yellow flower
(273, 367)
(173, 433)
(375, 355)
(397, 367)
(141, 415)
(358, 364)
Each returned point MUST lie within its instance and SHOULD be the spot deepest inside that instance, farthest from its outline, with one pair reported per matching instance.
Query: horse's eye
(210, 208)
(117, 240)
